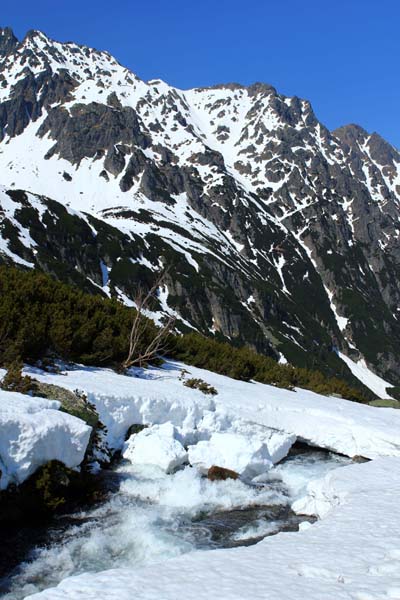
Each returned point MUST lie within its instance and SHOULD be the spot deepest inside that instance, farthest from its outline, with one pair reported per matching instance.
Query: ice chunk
(279, 444)
(156, 445)
(248, 457)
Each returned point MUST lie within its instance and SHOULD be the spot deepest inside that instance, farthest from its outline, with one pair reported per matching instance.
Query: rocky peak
(36, 36)
(352, 129)
(222, 86)
(260, 88)
(357, 141)
(37, 52)
(8, 42)
(351, 135)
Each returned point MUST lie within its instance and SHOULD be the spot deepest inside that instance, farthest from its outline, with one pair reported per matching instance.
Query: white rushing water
(154, 516)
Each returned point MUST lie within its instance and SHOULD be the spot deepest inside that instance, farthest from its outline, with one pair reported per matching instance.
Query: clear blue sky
(342, 55)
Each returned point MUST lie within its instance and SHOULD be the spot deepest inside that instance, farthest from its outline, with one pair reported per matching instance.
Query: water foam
(151, 518)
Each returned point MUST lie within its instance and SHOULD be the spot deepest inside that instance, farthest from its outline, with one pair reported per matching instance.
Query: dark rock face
(277, 232)
(8, 42)
(77, 133)
(29, 96)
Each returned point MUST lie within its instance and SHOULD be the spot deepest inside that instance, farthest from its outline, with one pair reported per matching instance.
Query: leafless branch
(139, 352)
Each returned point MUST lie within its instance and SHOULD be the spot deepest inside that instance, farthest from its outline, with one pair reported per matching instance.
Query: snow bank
(352, 554)
(156, 446)
(32, 432)
(158, 396)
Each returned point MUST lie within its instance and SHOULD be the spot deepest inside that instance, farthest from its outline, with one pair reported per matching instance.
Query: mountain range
(272, 230)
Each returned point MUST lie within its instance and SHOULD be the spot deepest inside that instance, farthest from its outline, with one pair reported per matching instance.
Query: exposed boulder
(221, 474)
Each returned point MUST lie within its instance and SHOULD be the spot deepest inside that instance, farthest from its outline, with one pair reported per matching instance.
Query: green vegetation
(385, 403)
(40, 317)
(52, 488)
(15, 381)
(74, 403)
(200, 384)
(394, 392)
(49, 482)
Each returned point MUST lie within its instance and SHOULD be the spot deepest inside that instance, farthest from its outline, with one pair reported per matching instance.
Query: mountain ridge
(278, 233)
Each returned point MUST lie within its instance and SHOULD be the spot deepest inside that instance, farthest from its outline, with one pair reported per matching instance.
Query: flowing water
(151, 516)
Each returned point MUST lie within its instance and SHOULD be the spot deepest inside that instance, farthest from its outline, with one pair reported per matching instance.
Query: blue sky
(342, 55)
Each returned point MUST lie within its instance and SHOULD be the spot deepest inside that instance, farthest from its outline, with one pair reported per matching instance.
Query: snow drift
(158, 396)
(32, 432)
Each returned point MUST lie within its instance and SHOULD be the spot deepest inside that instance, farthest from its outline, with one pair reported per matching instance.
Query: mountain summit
(276, 231)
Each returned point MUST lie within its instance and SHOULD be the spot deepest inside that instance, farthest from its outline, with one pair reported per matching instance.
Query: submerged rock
(134, 429)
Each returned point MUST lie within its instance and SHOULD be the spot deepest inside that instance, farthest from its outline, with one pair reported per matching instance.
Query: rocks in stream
(360, 459)
(134, 429)
(221, 474)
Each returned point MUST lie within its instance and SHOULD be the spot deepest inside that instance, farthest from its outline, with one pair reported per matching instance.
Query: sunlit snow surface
(159, 396)
(367, 377)
(156, 516)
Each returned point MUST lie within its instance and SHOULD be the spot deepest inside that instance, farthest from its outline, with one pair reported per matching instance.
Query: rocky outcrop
(8, 42)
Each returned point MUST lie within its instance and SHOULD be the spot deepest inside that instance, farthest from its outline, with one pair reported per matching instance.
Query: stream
(150, 516)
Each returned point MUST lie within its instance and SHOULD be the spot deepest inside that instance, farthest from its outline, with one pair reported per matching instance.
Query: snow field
(247, 427)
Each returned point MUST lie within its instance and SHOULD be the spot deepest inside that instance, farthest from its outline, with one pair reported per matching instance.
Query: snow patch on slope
(367, 377)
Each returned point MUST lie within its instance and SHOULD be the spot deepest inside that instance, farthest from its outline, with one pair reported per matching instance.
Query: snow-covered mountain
(276, 231)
